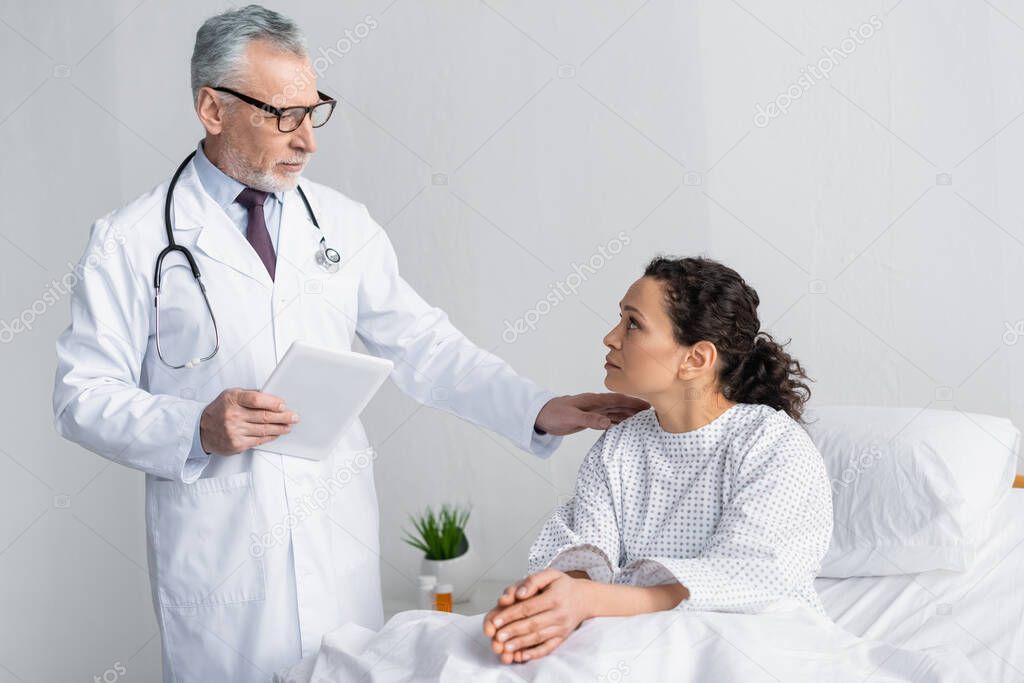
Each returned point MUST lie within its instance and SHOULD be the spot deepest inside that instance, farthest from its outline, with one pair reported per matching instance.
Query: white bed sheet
(980, 612)
(926, 621)
(790, 642)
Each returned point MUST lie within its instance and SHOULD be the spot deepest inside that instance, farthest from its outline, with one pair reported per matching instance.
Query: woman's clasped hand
(535, 615)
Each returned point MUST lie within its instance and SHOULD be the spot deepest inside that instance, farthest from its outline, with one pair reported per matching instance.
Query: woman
(712, 499)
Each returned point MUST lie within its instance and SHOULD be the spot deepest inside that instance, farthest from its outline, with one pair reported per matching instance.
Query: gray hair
(219, 53)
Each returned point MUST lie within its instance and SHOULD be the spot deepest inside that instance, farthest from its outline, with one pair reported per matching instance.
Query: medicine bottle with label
(443, 597)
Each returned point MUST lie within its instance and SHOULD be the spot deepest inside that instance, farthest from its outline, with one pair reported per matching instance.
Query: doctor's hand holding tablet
(240, 419)
(330, 387)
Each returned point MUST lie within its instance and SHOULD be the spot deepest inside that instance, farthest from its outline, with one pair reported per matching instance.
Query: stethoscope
(326, 257)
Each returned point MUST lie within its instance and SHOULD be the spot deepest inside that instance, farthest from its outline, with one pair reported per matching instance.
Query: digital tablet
(327, 389)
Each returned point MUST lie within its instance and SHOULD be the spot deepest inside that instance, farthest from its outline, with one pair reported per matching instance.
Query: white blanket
(788, 643)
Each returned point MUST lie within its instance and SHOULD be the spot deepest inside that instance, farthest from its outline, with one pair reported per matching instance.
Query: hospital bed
(937, 625)
(975, 615)
(979, 612)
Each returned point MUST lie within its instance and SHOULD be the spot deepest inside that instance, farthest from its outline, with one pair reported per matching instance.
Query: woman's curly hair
(708, 301)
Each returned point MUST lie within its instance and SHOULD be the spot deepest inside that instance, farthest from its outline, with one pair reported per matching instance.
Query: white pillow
(912, 489)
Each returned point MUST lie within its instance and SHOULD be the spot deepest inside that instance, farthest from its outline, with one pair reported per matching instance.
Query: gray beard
(255, 178)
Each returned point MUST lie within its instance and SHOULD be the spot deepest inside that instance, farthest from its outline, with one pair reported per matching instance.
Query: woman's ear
(699, 359)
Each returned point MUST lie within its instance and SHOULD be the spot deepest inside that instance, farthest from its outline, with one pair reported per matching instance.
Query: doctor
(254, 556)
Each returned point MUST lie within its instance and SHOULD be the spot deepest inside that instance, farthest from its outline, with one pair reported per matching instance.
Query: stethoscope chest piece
(328, 258)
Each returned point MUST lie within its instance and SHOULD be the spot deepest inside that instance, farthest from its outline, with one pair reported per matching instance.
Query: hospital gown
(739, 511)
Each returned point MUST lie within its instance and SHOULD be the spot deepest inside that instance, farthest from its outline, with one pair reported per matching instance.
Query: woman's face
(644, 357)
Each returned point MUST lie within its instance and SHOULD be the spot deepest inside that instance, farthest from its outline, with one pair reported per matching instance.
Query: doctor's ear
(210, 108)
(700, 358)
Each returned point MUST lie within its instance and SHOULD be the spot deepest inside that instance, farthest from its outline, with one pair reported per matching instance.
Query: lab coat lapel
(295, 250)
(217, 236)
(297, 234)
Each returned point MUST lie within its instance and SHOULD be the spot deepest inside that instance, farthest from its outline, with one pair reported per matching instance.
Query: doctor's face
(644, 358)
(243, 140)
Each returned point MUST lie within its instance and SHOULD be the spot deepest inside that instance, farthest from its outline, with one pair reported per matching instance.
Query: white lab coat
(251, 563)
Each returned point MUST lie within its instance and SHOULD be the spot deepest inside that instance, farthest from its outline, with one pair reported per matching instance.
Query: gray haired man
(255, 556)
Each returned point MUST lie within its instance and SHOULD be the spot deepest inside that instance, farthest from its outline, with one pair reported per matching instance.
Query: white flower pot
(462, 572)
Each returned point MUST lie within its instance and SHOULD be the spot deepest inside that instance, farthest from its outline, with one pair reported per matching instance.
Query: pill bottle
(443, 597)
(425, 597)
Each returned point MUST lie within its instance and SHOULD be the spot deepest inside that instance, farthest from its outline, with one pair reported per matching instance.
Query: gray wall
(503, 144)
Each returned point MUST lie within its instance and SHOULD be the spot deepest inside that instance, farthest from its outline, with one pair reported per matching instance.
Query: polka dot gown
(739, 511)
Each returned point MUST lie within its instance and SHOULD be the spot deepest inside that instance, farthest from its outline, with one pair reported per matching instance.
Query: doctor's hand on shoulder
(240, 419)
(570, 414)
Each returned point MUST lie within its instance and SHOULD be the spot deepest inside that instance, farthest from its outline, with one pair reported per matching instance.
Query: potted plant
(446, 551)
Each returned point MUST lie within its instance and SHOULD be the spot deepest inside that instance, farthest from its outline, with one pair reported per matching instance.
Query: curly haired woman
(712, 499)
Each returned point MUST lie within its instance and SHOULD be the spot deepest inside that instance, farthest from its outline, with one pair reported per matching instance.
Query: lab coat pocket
(201, 535)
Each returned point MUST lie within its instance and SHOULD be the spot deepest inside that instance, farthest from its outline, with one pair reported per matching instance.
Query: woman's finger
(542, 650)
(535, 583)
(534, 637)
(522, 609)
(523, 627)
(489, 628)
(509, 596)
(506, 599)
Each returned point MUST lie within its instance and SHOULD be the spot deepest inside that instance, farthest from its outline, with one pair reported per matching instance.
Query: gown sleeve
(770, 539)
(583, 533)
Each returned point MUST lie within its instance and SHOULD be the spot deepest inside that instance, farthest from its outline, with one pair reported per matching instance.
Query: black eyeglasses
(290, 118)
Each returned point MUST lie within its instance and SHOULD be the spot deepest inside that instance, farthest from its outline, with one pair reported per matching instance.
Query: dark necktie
(257, 233)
